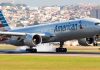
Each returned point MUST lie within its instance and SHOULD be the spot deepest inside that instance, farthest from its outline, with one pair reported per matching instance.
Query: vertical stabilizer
(3, 23)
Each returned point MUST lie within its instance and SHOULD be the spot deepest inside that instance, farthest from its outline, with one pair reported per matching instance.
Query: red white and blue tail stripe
(3, 23)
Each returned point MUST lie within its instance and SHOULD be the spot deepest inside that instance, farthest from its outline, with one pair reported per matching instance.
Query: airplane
(85, 30)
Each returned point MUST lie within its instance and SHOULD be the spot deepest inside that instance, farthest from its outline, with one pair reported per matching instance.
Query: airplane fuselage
(63, 31)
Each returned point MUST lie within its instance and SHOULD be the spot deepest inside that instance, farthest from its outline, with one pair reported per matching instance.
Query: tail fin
(3, 23)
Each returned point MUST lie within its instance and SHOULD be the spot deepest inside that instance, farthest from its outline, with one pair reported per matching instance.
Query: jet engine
(87, 42)
(32, 40)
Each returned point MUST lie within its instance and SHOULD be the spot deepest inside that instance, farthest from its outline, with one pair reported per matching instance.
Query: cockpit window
(97, 23)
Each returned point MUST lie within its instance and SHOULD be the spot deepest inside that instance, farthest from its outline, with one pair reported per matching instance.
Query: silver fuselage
(63, 31)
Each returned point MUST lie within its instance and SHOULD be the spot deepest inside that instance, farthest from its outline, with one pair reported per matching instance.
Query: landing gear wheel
(31, 50)
(61, 50)
(95, 44)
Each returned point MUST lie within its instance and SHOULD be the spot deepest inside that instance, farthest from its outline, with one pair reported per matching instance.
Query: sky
(56, 2)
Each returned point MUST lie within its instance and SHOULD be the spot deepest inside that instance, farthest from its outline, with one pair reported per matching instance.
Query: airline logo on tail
(3, 23)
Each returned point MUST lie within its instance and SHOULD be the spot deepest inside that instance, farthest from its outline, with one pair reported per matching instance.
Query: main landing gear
(61, 49)
(95, 44)
(58, 50)
(31, 50)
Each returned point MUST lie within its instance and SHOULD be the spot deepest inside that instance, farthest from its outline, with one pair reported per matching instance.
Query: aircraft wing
(12, 34)
(23, 34)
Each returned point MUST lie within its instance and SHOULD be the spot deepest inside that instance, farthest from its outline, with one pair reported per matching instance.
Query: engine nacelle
(32, 40)
(86, 41)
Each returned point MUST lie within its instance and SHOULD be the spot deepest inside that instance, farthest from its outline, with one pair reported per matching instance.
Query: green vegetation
(29, 62)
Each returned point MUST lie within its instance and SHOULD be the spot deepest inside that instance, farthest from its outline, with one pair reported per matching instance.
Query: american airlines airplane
(84, 30)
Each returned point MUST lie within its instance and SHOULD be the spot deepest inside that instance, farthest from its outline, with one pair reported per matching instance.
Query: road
(72, 53)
